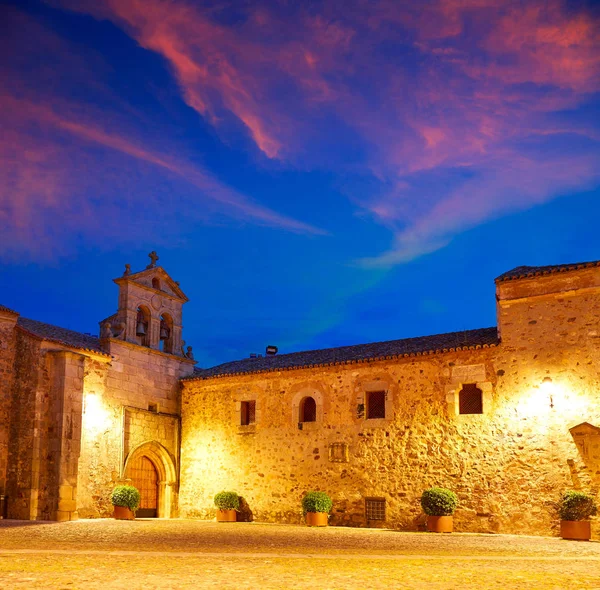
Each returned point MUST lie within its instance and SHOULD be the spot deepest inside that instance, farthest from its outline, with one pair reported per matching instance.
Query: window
(156, 283)
(308, 410)
(248, 413)
(470, 399)
(375, 508)
(375, 404)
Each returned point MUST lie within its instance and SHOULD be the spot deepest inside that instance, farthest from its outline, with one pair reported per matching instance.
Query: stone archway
(165, 468)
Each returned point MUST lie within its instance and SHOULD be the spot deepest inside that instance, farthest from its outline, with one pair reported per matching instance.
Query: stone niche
(587, 439)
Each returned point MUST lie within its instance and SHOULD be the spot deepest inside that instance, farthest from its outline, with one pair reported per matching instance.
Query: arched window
(142, 326)
(156, 283)
(308, 410)
(166, 333)
(470, 399)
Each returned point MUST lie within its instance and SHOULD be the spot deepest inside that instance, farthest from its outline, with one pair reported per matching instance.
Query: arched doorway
(144, 477)
(155, 468)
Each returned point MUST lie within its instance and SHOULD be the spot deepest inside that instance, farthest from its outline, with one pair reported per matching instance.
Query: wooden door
(145, 478)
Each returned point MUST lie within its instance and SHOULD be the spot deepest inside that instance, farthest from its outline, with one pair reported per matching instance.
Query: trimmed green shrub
(576, 506)
(439, 502)
(227, 501)
(126, 496)
(316, 502)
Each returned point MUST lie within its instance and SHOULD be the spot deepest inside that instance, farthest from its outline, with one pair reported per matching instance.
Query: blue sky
(313, 177)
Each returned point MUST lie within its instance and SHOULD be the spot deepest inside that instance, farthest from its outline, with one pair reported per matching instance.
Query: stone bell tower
(149, 312)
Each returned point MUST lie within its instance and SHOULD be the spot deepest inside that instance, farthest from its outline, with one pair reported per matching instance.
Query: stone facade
(508, 465)
(77, 410)
(8, 321)
(508, 418)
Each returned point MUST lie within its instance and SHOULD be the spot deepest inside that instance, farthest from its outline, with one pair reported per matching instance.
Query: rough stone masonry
(507, 417)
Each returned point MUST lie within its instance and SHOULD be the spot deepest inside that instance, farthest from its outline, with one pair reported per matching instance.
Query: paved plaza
(195, 554)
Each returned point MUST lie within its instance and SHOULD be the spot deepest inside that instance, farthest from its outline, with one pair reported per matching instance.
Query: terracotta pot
(123, 513)
(226, 515)
(439, 524)
(317, 518)
(578, 530)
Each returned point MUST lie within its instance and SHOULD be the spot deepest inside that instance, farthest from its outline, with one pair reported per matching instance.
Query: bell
(141, 329)
(164, 333)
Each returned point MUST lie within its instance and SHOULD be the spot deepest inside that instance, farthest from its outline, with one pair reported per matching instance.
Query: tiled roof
(7, 309)
(522, 272)
(61, 335)
(468, 339)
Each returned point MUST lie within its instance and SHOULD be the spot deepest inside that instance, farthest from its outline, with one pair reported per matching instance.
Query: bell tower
(149, 312)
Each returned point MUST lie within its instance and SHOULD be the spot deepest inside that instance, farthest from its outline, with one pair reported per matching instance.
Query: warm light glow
(96, 417)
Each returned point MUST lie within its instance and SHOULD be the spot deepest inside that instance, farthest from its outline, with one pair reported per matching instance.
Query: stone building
(508, 417)
(80, 413)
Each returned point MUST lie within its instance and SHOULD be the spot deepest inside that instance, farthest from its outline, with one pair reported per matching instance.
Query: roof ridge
(448, 341)
(64, 336)
(523, 271)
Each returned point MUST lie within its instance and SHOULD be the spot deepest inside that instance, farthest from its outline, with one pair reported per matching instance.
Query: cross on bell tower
(153, 258)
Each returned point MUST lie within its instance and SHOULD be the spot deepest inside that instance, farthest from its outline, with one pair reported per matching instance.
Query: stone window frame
(361, 400)
(247, 396)
(453, 401)
(318, 396)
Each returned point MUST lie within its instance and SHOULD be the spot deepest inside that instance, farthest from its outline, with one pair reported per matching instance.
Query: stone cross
(153, 257)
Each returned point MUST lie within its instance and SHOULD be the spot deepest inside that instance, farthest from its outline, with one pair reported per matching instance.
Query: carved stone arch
(167, 474)
(308, 390)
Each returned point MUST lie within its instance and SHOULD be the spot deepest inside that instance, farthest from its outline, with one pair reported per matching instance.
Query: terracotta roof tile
(61, 335)
(358, 353)
(522, 272)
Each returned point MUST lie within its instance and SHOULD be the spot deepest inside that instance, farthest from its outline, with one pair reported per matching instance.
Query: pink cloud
(471, 82)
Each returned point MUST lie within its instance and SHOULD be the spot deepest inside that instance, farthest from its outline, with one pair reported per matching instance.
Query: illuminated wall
(507, 465)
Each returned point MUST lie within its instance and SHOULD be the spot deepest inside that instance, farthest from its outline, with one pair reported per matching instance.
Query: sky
(314, 174)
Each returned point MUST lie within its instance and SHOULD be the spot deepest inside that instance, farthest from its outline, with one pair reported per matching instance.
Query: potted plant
(227, 503)
(125, 500)
(316, 507)
(575, 509)
(439, 504)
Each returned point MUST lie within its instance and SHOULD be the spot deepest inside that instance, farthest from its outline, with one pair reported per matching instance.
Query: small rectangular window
(248, 413)
(375, 404)
(470, 399)
(375, 508)
(153, 407)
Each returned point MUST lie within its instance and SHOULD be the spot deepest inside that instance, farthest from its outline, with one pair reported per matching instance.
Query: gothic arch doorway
(151, 469)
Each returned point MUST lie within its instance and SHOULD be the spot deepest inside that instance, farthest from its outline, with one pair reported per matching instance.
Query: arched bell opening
(166, 333)
(142, 326)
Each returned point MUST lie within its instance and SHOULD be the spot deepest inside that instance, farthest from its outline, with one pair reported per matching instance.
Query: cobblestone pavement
(194, 554)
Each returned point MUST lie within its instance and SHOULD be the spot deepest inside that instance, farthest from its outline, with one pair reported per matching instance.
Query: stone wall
(26, 428)
(128, 402)
(7, 354)
(508, 465)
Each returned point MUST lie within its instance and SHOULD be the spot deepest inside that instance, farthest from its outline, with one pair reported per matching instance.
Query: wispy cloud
(465, 90)
(71, 168)
(461, 110)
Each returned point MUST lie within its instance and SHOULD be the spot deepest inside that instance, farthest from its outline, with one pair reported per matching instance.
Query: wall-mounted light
(548, 387)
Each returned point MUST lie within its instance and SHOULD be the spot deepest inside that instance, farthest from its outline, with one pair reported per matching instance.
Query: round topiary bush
(576, 506)
(316, 502)
(227, 501)
(126, 496)
(439, 502)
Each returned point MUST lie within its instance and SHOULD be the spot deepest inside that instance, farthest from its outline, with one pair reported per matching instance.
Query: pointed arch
(167, 474)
